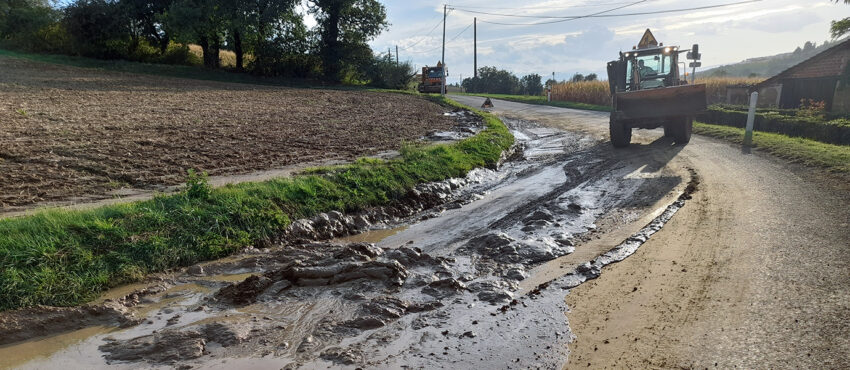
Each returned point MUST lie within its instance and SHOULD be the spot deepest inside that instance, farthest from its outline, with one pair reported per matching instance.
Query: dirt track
(71, 133)
(751, 273)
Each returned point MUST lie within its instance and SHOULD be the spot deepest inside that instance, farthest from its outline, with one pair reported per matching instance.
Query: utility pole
(396, 54)
(443, 59)
(475, 47)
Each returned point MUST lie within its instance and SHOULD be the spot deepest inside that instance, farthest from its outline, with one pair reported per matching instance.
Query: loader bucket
(685, 100)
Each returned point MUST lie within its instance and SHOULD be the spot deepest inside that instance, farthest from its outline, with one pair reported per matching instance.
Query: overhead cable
(601, 15)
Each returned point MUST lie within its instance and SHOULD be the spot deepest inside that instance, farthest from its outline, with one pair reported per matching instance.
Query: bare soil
(68, 133)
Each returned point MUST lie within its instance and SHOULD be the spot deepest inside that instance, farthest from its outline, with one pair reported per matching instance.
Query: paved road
(753, 272)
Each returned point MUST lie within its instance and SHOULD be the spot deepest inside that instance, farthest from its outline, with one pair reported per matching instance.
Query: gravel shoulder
(752, 272)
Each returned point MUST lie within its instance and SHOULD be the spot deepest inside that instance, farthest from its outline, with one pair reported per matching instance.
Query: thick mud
(431, 281)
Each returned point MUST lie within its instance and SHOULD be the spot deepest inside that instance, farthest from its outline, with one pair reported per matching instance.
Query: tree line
(268, 37)
(491, 80)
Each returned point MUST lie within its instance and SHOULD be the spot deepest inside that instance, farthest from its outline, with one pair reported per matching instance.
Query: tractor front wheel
(621, 134)
(681, 131)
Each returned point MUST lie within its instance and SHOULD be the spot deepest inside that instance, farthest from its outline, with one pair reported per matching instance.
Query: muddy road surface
(469, 272)
(754, 272)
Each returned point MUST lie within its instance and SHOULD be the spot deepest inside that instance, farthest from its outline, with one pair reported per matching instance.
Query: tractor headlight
(667, 50)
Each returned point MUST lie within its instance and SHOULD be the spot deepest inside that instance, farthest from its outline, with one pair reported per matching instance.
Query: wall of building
(841, 103)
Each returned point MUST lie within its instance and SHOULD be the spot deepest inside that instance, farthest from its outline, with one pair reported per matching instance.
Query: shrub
(836, 131)
(384, 72)
(179, 54)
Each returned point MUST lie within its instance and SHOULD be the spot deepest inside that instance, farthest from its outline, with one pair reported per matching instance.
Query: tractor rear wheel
(682, 130)
(621, 134)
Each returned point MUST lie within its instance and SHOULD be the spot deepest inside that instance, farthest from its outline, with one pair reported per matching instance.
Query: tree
(809, 46)
(840, 27)
(145, 18)
(578, 77)
(531, 84)
(345, 28)
(591, 77)
(21, 22)
(384, 72)
(492, 80)
(99, 28)
(269, 29)
(201, 22)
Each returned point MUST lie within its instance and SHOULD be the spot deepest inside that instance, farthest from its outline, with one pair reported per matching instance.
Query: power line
(424, 37)
(460, 33)
(600, 15)
(438, 47)
(569, 19)
(541, 7)
(534, 16)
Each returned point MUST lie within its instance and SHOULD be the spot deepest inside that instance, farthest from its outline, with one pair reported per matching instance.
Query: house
(823, 77)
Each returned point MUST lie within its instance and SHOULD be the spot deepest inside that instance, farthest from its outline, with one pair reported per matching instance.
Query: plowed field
(68, 132)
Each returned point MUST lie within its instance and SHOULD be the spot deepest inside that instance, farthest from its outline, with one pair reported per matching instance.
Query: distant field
(227, 57)
(69, 132)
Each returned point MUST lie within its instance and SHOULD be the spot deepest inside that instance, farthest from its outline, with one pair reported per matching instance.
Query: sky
(726, 34)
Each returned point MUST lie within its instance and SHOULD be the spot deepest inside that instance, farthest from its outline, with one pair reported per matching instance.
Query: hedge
(835, 131)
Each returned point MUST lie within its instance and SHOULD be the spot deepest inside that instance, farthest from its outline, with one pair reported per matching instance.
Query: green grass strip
(541, 100)
(68, 257)
(833, 158)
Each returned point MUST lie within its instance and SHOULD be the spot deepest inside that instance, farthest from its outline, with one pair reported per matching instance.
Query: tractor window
(435, 73)
(653, 70)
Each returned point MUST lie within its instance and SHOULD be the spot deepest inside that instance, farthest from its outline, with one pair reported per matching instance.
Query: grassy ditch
(541, 100)
(833, 158)
(64, 257)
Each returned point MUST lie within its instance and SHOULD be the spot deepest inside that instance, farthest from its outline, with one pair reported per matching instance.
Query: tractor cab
(648, 91)
(650, 65)
(651, 68)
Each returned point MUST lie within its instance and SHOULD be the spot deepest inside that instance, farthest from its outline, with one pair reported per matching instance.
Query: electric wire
(568, 19)
(449, 41)
(424, 37)
(600, 14)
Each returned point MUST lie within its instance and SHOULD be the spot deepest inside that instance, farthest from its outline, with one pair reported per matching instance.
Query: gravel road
(753, 273)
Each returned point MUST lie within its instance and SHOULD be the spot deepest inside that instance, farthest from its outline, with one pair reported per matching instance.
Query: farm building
(823, 77)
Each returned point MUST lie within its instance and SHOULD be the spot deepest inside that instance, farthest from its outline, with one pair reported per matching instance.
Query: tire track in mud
(417, 299)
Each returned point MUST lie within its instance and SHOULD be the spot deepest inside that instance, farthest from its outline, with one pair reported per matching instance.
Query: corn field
(591, 92)
(597, 92)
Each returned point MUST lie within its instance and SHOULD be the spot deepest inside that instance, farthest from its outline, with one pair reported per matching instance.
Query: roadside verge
(831, 157)
(67, 257)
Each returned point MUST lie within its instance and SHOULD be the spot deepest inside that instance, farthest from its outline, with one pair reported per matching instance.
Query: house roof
(828, 63)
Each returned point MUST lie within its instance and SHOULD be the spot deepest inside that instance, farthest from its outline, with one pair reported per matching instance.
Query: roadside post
(751, 118)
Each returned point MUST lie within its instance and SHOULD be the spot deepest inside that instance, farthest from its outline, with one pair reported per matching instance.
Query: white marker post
(751, 118)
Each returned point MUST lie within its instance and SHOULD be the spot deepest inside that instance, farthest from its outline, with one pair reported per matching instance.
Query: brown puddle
(229, 278)
(17, 354)
(372, 236)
